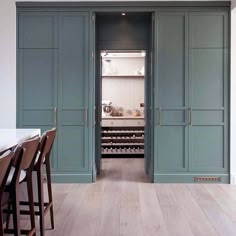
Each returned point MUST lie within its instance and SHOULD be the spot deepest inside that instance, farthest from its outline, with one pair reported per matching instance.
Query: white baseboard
(233, 178)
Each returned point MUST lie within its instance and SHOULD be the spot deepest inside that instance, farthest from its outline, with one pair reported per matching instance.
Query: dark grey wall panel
(115, 31)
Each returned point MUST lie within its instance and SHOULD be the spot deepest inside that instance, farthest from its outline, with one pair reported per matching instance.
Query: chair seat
(11, 174)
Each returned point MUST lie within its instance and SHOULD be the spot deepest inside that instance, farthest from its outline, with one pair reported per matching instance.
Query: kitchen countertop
(122, 117)
(11, 137)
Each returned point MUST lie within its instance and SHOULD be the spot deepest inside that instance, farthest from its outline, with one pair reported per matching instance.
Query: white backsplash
(127, 93)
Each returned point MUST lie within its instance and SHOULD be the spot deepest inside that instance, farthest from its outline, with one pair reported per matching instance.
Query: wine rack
(122, 140)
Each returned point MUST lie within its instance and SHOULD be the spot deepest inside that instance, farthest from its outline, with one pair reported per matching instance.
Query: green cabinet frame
(191, 97)
(188, 119)
(54, 87)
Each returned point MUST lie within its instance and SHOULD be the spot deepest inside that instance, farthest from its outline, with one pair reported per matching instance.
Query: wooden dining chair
(43, 159)
(5, 163)
(23, 164)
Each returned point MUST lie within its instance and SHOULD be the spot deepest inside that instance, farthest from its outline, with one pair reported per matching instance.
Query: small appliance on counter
(106, 108)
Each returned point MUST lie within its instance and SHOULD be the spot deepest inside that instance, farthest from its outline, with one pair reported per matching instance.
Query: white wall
(132, 91)
(8, 71)
(7, 64)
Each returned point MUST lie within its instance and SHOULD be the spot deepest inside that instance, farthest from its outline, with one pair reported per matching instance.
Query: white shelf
(122, 138)
(124, 76)
(123, 117)
(122, 144)
(123, 132)
(137, 152)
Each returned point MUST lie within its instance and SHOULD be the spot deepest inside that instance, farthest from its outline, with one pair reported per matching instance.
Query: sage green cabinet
(53, 86)
(191, 96)
(188, 90)
(37, 58)
(38, 30)
(73, 94)
(208, 91)
(170, 99)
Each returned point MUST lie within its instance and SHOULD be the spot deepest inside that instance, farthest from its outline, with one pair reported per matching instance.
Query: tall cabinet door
(170, 95)
(73, 95)
(208, 68)
(37, 73)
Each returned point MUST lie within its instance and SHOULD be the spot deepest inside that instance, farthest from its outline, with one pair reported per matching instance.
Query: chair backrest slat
(24, 157)
(46, 144)
(30, 150)
(5, 163)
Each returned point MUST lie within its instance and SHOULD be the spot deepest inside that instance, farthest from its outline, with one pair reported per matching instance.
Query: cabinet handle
(55, 116)
(190, 116)
(159, 116)
(86, 116)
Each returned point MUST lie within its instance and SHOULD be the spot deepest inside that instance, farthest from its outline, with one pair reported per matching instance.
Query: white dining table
(11, 137)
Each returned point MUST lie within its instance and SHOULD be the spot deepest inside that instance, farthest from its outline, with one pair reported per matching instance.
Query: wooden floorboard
(175, 220)
(123, 203)
(222, 223)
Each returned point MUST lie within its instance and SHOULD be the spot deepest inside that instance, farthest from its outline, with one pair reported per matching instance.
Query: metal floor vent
(207, 179)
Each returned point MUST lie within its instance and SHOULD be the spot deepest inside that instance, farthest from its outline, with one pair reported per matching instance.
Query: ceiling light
(123, 14)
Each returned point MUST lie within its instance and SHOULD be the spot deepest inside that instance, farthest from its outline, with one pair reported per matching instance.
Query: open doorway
(123, 93)
(123, 79)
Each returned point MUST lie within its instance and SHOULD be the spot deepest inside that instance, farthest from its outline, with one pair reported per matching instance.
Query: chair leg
(9, 207)
(1, 220)
(41, 201)
(16, 210)
(49, 184)
(31, 202)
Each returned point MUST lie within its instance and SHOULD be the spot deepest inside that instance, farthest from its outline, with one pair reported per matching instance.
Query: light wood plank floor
(123, 203)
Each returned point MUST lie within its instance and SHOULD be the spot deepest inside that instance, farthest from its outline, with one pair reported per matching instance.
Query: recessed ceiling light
(123, 14)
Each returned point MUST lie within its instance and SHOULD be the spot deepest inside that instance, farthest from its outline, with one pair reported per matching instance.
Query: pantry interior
(123, 66)
(123, 75)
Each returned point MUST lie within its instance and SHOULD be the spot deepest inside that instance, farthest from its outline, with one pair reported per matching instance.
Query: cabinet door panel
(207, 148)
(38, 30)
(207, 80)
(72, 149)
(171, 148)
(171, 53)
(207, 30)
(208, 89)
(37, 95)
(170, 137)
(38, 77)
(73, 92)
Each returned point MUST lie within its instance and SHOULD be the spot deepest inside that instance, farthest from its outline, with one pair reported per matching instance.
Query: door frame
(148, 157)
(147, 98)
